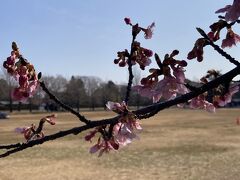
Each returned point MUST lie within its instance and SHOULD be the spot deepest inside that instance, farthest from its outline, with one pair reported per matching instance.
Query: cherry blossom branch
(141, 114)
(64, 106)
(76, 130)
(20, 147)
(217, 48)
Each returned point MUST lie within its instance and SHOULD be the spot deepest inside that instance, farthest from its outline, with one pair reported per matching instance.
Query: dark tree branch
(64, 106)
(130, 78)
(10, 146)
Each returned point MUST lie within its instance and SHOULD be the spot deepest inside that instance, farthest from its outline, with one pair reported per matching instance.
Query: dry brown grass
(175, 144)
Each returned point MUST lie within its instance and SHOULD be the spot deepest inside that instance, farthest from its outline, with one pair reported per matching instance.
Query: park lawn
(175, 144)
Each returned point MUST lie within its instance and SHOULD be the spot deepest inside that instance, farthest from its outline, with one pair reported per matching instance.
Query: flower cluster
(32, 132)
(138, 54)
(23, 72)
(172, 82)
(225, 98)
(197, 51)
(119, 134)
(231, 37)
(200, 102)
(232, 11)
(217, 97)
(148, 32)
(230, 40)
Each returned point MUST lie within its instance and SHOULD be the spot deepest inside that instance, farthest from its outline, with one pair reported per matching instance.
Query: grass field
(175, 144)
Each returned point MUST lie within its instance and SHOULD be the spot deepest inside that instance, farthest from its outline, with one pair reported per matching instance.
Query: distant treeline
(78, 92)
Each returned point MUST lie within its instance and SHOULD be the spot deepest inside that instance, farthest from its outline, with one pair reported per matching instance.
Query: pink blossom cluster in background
(232, 12)
(23, 72)
(231, 38)
(121, 134)
(200, 101)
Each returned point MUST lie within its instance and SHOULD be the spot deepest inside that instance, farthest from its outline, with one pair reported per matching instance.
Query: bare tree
(56, 84)
(75, 93)
(91, 84)
(136, 81)
(10, 84)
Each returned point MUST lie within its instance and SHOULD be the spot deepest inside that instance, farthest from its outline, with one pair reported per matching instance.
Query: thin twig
(217, 48)
(130, 78)
(64, 106)
(10, 146)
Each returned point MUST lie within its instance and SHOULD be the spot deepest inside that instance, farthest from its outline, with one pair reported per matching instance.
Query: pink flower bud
(127, 21)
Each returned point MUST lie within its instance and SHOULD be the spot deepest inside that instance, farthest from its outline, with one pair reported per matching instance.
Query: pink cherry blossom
(22, 70)
(127, 21)
(145, 91)
(26, 131)
(19, 94)
(142, 56)
(197, 51)
(104, 146)
(21, 130)
(126, 116)
(227, 98)
(165, 88)
(125, 132)
(170, 85)
(149, 31)
(32, 87)
(51, 119)
(216, 28)
(178, 72)
(231, 39)
(199, 102)
(9, 64)
(24, 73)
(116, 107)
(122, 134)
(168, 88)
(232, 11)
(23, 81)
(25, 90)
(32, 132)
(90, 135)
(139, 56)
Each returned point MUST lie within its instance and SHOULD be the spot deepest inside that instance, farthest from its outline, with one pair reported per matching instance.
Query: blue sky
(79, 37)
